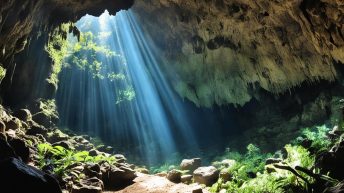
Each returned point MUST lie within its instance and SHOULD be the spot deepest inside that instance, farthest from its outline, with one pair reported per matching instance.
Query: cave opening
(111, 87)
(171, 96)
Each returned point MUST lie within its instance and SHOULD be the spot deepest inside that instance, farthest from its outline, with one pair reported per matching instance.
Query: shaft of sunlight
(124, 98)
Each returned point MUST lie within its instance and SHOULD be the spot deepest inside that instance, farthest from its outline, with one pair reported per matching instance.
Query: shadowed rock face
(226, 50)
(18, 19)
(24, 32)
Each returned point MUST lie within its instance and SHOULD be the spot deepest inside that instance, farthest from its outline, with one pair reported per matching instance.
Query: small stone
(161, 174)
(120, 158)
(225, 175)
(142, 170)
(174, 176)
(94, 152)
(186, 179)
(223, 191)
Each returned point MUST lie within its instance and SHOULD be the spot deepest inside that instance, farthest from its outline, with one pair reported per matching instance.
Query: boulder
(6, 150)
(206, 175)
(43, 119)
(13, 124)
(20, 149)
(37, 129)
(57, 136)
(18, 177)
(94, 152)
(93, 170)
(120, 158)
(174, 176)
(115, 177)
(186, 179)
(23, 114)
(191, 164)
(106, 149)
(65, 144)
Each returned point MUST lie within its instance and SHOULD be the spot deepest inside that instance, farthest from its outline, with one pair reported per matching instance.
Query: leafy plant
(60, 159)
(317, 136)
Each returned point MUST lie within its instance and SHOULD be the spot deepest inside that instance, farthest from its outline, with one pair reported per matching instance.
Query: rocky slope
(224, 51)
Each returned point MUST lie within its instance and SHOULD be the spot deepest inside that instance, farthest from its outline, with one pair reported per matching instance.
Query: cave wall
(25, 26)
(225, 51)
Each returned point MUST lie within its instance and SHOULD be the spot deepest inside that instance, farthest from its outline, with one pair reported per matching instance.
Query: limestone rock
(117, 176)
(174, 176)
(191, 164)
(37, 129)
(13, 124)
(186, 179)
(206, 175)
(23, 114)
(20, 148)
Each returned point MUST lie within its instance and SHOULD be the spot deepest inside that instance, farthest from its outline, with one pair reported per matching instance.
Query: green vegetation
(57, 48)
(2, 73)
(61, 159)
(88, 52)
(317, 137)
(48, 107)
(293, 172)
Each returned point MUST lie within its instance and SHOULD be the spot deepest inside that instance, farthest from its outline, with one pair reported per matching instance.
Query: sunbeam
(121, 93)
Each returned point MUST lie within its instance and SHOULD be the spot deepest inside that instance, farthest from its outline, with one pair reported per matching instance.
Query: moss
(57, 48)
(2, 73)
(48, 107)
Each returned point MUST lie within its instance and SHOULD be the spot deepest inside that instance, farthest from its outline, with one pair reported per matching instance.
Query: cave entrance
(111, 86)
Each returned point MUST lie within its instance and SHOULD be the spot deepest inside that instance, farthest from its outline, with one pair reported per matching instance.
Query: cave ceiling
(216, 51)
(224, 51)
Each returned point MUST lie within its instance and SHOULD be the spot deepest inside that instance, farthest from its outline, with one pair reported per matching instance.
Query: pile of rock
(191, 170)
(19, 137)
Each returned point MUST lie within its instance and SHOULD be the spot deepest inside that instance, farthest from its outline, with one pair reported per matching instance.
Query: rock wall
(29, 22)
(225, 50)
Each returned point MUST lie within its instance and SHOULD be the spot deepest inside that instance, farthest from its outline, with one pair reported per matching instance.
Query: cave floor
(154, 184)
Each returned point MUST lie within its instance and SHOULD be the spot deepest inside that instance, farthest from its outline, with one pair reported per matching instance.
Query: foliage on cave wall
(88, 50)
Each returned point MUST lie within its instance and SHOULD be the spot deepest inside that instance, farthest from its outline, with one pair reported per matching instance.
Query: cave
(166, 96)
